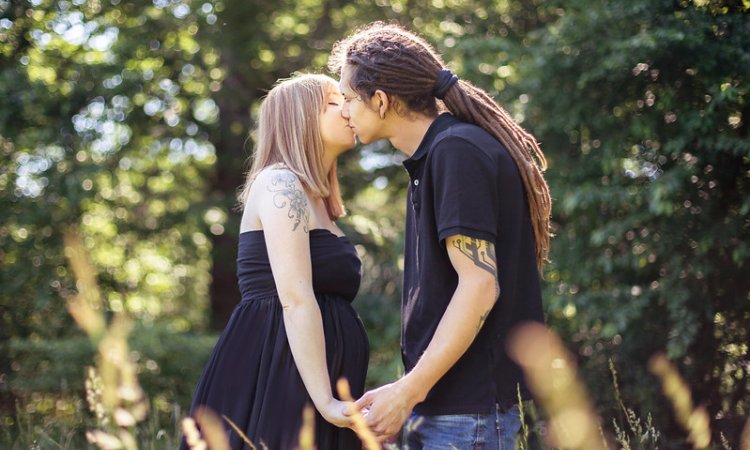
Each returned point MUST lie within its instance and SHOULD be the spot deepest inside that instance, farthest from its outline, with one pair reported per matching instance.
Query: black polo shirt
(463, 181)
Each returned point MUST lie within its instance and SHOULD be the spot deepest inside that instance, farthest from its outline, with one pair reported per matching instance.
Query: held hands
(335, 412)
(386, 409)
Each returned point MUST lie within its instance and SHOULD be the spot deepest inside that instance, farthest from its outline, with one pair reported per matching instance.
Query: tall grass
(117, 413)
(114, 396)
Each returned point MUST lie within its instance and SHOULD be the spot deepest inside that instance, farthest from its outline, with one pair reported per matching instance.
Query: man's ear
(382, 102)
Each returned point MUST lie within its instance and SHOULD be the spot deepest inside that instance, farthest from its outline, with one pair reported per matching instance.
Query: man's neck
(409, 133)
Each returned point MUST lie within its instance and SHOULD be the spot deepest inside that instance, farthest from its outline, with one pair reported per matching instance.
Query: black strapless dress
(251, 376)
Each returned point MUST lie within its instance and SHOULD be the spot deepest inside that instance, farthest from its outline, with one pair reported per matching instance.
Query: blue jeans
(495, 431)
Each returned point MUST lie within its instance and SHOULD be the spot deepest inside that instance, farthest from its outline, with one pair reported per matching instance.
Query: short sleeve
(464, 182)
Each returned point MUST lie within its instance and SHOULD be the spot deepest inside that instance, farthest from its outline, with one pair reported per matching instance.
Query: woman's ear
(382, 102)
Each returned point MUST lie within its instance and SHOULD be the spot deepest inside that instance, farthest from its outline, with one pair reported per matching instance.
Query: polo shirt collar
(442, 122)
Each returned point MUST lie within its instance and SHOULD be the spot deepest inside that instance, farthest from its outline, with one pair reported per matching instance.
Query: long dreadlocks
(390, 58)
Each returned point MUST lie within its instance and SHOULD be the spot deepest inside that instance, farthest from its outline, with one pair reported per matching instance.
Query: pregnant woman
(294, 333)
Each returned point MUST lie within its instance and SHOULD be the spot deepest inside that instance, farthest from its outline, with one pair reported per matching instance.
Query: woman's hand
(335, 412)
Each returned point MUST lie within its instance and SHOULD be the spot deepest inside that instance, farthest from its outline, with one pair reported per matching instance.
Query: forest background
(130, 121)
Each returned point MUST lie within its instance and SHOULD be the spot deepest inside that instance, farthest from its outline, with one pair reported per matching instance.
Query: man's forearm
(469, 307)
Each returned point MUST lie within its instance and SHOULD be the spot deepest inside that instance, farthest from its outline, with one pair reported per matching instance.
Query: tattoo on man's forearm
(286, 192)
(482, 253)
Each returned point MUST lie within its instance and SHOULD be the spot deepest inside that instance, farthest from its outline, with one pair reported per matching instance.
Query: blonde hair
(288, 135)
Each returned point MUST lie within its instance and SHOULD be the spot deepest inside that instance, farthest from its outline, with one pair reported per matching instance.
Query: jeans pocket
(460, 431)
(508, 424)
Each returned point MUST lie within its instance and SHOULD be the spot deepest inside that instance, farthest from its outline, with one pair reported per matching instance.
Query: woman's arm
(284, 212)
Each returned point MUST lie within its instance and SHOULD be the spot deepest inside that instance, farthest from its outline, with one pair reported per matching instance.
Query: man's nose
(345, 111)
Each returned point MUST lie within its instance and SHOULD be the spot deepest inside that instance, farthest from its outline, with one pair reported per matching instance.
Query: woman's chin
(353, 143)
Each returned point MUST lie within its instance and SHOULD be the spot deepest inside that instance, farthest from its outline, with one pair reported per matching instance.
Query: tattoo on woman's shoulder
(287, 194)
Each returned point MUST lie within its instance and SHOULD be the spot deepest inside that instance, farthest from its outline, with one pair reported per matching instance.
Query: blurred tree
(103, 125)
(642, 109)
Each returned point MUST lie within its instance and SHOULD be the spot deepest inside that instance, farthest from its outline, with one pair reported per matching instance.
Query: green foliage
(128, 119)
(168, 364)
(67, 431)
(107, 130)
(642, 110)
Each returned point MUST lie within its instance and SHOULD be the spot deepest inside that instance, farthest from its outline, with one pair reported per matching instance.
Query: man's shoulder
(468, 132)
(463, 137)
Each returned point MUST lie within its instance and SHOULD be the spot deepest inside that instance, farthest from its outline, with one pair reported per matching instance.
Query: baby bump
(347, 347)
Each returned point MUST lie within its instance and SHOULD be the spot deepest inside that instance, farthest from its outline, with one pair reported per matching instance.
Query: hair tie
(445, 80)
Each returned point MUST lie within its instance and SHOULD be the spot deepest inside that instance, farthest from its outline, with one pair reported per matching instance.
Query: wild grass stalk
(745, 439)
(644, 437)
(241, 434)
(552, 377)
(360, 426)
(523, 440)
(113, 392)
(212, 429)
(119, 407)
(114, 395)
(694, 420)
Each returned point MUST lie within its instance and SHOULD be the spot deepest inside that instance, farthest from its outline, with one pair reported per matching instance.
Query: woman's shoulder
(276, 194)
(276, 174)
(275, 185)
(274, 179)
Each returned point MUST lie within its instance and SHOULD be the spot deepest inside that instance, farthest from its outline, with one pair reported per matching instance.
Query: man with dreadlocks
(477, 234)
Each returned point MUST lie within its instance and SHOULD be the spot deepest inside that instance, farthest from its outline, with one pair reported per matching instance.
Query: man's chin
(360, 140)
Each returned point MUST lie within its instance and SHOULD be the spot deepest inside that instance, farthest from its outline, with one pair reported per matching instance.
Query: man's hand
(386, 409)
